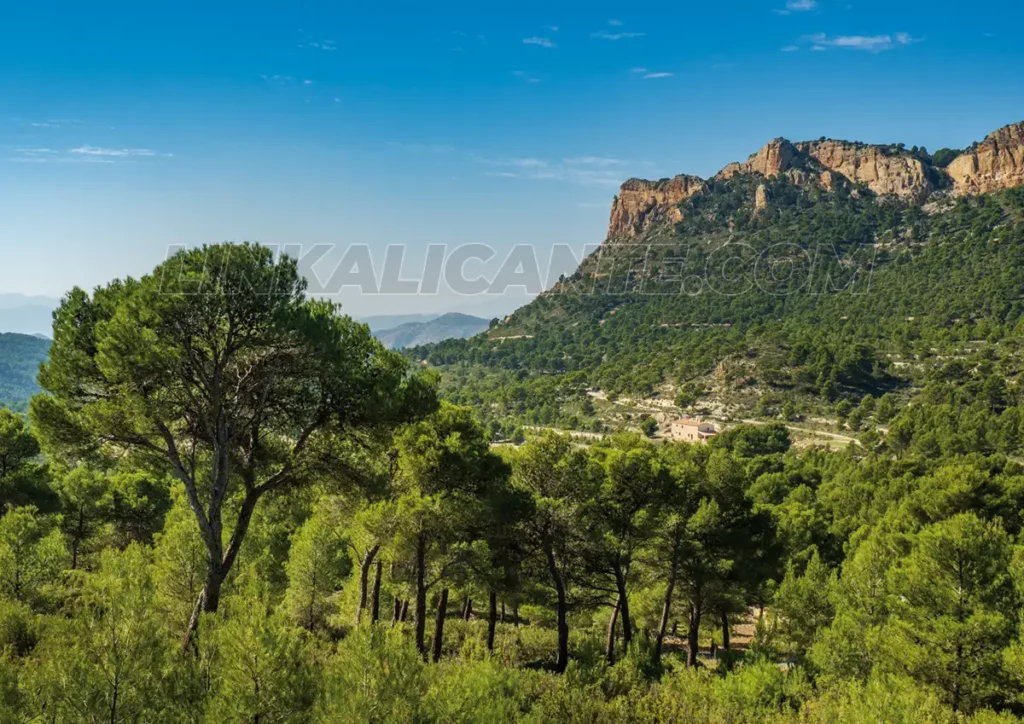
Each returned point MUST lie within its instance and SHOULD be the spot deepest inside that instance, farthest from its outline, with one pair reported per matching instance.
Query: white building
(696, 431)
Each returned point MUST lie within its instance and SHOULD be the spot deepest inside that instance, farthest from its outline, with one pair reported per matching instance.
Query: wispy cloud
(320, 45)
(615, 35)
(552, 28)
(583, 170)
(89, 154)
(652, 76)
(796, 6)
(867, 43)
(604, 35)
(116, 152)
(638, 70)
(791, 49)
(542, 42)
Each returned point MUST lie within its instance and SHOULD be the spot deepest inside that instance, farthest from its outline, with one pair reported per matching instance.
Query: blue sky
(129, 127)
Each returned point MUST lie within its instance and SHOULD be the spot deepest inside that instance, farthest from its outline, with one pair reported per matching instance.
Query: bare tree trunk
(725, 630)
(562, 660)
(610, 646)
(364, 576)
(503, 612)
(693, 635)
(492, 619)
(467, 612)
(398, 611)
(420, 614)
(442, 611)
(375, 595)
(627, 623)
(405, 611)
(209, 599)
(666, 612)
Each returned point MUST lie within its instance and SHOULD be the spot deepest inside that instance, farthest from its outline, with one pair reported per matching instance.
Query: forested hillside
(237, 506)
(20, 357)
(842, 294)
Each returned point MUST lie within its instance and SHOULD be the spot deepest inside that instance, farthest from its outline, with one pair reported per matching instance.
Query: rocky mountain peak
(640, 203)
(995, 163)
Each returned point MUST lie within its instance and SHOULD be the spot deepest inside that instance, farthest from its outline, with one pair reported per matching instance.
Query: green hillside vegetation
(20, 357)
(874, 296)
(241, 507)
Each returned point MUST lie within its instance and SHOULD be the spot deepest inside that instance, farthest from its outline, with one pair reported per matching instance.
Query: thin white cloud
(307, 82)
(867, 43)
(798, 6)
(791, 49)
(638, 70)
(542, 42)
(583, 170)
(615, 36)
(320, 45)
(651, 76)
(115, 152)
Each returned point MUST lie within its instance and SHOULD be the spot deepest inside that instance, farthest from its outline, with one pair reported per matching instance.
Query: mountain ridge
(995, 163)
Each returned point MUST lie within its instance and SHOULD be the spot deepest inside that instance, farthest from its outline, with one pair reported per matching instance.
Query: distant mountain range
(434, 329)
(26, 315)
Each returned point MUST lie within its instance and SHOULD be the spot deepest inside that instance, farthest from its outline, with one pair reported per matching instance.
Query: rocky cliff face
(641, 202)
(776, 157)
(995, 163)
(882, 170)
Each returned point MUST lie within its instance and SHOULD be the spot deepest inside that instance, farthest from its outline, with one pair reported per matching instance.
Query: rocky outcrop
(760, 198)
(641, 202)
(882, 169)
(995, 163)
(776, 157)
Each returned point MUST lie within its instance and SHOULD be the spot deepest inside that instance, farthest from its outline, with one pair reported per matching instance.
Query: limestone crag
(882, 169)
(995, 163)
(641, 202)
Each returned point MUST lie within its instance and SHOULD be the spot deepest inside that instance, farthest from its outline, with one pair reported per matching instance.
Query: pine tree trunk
(666, 612)
(209, 599)
(627, 623)
(398, 611)
(420, 613)
(503, 612)
(725, 631)
(562, 659)
(405, 611)
(364, 577)
(492, 619)
(693, 636)
(442, 611)
(467, 612)
(375, 595)
(610, 646)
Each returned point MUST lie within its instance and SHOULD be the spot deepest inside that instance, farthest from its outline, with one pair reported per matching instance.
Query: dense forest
(20, 356)
(238, 506)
